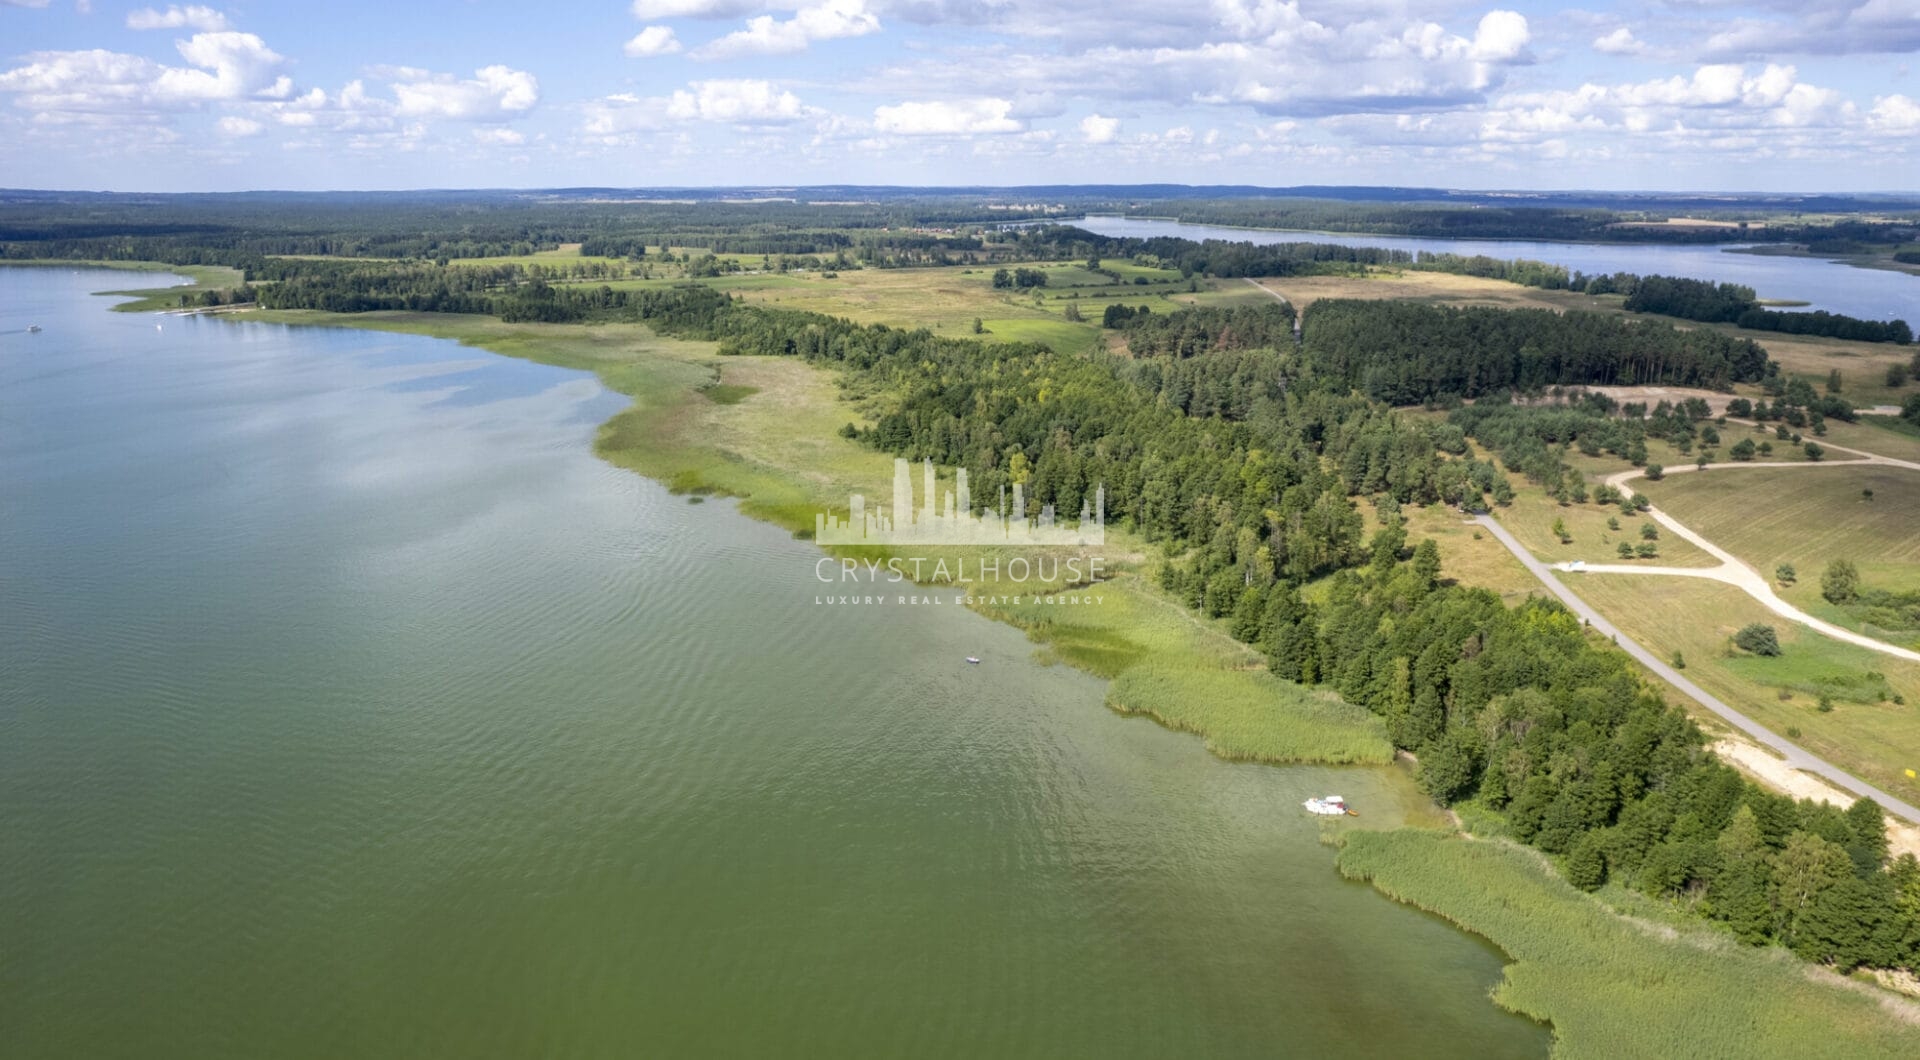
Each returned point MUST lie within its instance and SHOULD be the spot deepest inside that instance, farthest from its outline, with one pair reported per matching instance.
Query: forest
(1405, 353)
(1733, 304)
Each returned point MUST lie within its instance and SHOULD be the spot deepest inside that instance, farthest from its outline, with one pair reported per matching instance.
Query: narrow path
(1298, 316)
(1796, 756)
(1735, 572)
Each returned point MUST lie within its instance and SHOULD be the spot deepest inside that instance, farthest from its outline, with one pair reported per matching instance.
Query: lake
(350, 706)
(1872, 294)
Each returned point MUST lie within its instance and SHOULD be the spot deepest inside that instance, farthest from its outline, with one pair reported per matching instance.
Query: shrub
(1840, 582)
(1758, 638)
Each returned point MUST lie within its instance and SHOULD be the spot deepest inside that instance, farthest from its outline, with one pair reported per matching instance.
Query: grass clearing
(1806, 517)
(1612, 986)
(1532, 515)
(1254, 716)
(728, 393)
(1432, 288)
(1877, 741)
(1469, 559)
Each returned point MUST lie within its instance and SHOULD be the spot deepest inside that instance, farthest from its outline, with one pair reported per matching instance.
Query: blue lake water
(1873, 294)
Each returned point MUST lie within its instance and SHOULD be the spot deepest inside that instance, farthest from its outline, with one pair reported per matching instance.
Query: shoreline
(665, 392)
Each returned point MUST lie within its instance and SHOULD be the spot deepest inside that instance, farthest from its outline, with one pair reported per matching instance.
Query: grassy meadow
(1873, 739)
(1470, 555)
(1533, 513)
(1806, 517)
(1250, 715)
(1619, 986)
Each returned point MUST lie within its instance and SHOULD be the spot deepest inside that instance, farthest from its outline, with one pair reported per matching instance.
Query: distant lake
(349, 706)
(1873, 294)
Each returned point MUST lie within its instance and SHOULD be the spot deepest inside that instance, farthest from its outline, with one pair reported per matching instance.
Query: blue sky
(1750, 95)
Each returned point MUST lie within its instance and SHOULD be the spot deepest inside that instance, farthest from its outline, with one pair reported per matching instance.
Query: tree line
(1729, 303)
(1406, 353)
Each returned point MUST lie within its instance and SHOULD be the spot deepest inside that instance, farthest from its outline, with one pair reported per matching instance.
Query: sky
(1681, 95)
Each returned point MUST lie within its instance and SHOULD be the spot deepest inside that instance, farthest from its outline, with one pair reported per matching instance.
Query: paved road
(1796, 756)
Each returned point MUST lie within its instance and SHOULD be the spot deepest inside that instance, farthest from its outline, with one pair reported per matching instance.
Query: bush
(1758, 638)
(1840, 582)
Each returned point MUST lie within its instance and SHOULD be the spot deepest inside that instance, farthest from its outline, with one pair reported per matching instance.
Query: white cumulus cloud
(236, 127)
(1620, 42)
(223, 66)
(740, 102)
(654, 40)
(493, 93)
(193, 16)
(1098, 130)
(1500, 37)
(947, 118)
(765, 35)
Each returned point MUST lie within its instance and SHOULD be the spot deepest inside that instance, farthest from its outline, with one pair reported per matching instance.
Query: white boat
(974, 659)
(32, 328)
(1331, 806)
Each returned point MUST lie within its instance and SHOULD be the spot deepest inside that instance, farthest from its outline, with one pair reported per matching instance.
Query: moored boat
(1331, 806)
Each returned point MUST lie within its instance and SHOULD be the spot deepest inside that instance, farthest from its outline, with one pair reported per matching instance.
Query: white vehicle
(1331, 806)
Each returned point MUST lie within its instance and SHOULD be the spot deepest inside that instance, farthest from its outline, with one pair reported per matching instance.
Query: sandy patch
(1774, 773)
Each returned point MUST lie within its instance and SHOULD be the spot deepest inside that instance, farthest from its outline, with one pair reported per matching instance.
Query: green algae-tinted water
(350, 706)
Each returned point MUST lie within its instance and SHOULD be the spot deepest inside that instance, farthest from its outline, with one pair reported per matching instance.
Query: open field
(1876, 741)
(1434, 288)
(1470, 556)
(1875, 436)
(1533, 513)
(1806, 518)
(1862, 365)
(1617, 986)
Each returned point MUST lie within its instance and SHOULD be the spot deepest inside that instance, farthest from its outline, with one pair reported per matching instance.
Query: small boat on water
(32, 328)
(1331, 806)
(974, 659)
